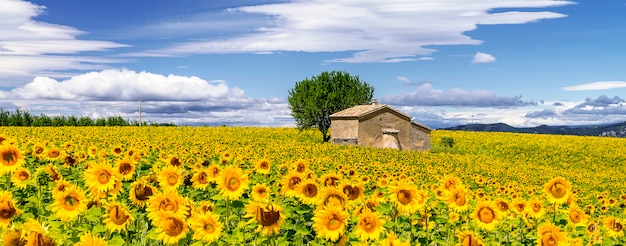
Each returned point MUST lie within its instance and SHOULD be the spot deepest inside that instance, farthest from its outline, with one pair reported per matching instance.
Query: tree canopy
(313, 100)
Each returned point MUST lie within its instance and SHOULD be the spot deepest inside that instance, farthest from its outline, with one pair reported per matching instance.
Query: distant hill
(613, 130)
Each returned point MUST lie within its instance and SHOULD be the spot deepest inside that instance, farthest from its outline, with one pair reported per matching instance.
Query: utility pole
(139, 112)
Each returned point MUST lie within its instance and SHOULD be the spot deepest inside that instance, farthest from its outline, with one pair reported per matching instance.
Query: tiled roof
(360, 111)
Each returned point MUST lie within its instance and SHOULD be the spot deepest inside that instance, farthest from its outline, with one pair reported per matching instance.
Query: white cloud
(378, 31)
(183, 100)
(600, 85)
(426, 95)
(28, 46)
(403, 79)
(480, 57)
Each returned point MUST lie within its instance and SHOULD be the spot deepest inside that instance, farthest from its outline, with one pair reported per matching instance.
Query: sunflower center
(9, 158)
(172, 179)
(351, 192)
(142, 192)
(503, 206)
(549, 239)
(268, 217)
(168, 205)
(301, 168)
(117, 150)
(125, 168)
(71, 202)
(470, 241)
(574, 216)
(104, 177)
(38, 150)
(209, 228)
(264, 165)
(404, 197)
(486, 215)
(118, 216)
(558, 190)
(536, 207)
(310, 190)
(233, 183)
(175, 162)
(459, 199)
(23, 176)
(368, 224)
(202, 178)
(334, 222)
(7, 210)
(293, 182)
(173, 226)
(54, 153)
(331, 181)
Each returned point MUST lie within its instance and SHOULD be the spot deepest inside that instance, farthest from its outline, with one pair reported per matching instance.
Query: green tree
(312, 101)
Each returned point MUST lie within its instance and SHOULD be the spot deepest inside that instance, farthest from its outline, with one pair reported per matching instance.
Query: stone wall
(420, 138)
(371, 129)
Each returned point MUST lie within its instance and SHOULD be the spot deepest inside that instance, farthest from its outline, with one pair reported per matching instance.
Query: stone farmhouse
(378, 125)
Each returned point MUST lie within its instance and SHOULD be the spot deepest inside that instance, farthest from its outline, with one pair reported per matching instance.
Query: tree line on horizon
(24, 118)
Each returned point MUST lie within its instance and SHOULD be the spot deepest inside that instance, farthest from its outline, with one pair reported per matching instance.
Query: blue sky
(521, 62)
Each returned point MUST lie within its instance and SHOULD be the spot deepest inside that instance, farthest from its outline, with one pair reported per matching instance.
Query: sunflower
(369, 225)
(330, 179)
(614, 227)
(92, 151)
(171, 228)
(206, 207)
(37, 234)
(535, 208)
(263, 166)
(167, 202)
(11, 158)
(519, 206)
(331, 196)
(468, 238)
(232, 182)
(557, 190)
(38, 150)
(13, 237)
(89, 239)
(100, 177)
(174, 161)
(301, 166)
(269, 216)
(206, 227)
(125, 169)
(214, 173)
(308, 193)
(53, 172)
(69, 203)
(407, 198)
(353, 191)
(52, 154)
(290, 183)
(576, 215)
(117, 150)
(486, 216)
(451, 182)
(502, 205)
(457, 200)
(60, 186)
(21, 178)
(330, 222)
(260, 192)
(200, 179)
(117, 217)
(7, 209)
(392, 240)
(549, 234)
(170, 177)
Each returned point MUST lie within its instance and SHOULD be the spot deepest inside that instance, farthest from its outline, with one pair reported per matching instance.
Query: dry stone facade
(378, 125)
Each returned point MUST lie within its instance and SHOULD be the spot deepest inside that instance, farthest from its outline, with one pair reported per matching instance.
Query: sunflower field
(280, 186)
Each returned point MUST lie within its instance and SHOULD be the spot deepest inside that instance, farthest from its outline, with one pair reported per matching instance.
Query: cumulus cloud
(600, 110)
(426, 95)
(28, 46)
(378, 31)
(480, 57)
(600, 85)
(183, 100)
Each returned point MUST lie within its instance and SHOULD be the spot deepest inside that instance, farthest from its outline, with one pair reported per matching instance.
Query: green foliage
(313, 100)
(447, 142)
(24, 118)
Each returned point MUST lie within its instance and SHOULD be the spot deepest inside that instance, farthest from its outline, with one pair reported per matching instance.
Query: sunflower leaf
(117, 240)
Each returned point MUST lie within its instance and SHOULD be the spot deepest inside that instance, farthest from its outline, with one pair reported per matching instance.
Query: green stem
(227, 215)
